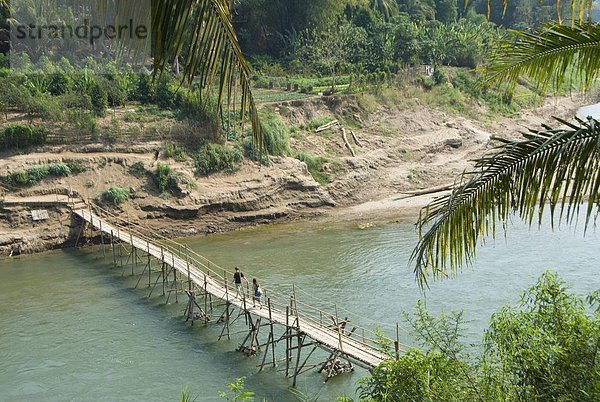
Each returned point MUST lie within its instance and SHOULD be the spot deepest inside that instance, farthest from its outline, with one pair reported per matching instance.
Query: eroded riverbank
(419, 148)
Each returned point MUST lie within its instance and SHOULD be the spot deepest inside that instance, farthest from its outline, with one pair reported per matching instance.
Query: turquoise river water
(73, 328)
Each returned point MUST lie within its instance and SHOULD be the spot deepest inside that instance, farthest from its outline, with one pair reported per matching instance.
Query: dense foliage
(212, 158)
(544, 349)
(22, 136)
(33, 175)
(270, 29)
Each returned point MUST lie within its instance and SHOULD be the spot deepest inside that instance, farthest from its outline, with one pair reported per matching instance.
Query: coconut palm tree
(549, 170)
(387, 8)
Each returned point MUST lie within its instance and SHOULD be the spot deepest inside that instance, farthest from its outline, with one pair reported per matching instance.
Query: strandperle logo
(86, 30)
(46, 33)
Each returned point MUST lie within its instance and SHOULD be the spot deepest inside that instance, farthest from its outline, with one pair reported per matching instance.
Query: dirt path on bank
(402, 150)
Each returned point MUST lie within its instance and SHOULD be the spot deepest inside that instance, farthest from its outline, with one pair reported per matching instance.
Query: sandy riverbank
(402, 151)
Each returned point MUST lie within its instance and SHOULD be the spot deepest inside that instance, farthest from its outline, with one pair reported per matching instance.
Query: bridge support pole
(270, 340)
(253, 328)
(81, 231)
(102, 239)
(190, 312)
(225, 318)
(288, 341)
(112, 246)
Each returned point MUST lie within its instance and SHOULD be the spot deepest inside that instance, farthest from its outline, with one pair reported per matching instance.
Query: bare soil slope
(402, 149)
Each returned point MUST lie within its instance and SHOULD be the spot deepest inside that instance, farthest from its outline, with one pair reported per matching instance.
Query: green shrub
(37, 174)
(315, 165)
(162, 175)
(276, 134)
(16, 179)
(59, 83)
(115, 195)
(176, 152)
(13, 94)
(74, 100)
(144, 92)
(59, 170)
(213, 158)
(167, 179)
(76, 166)
(425, 82)
(546, 347)
(439, 77)
(138, 170)
(83, 120)
(22, 136)
(44, 106)
(99, 98)
(37, 83)
(83, 82)
(167, 95)
(417, 376)
(115, 95)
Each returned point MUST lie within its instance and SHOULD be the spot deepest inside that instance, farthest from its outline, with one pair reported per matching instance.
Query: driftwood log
(345, 138)
(430, 190)
(327, 126)
(355, 138)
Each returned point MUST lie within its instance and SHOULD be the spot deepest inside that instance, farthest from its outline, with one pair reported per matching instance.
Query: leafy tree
(407, 39)
(543, 349)
(546, 349)
(419, 10)
(333, 50)
(446, 11)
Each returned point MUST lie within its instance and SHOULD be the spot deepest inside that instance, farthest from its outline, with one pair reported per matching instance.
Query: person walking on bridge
(257, 293)
(237, 279)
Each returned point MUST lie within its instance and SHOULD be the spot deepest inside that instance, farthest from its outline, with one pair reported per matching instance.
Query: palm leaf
(546, 56)
(553, 167)
(214, 55)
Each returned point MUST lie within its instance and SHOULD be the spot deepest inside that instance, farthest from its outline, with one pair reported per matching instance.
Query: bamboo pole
(287, 341)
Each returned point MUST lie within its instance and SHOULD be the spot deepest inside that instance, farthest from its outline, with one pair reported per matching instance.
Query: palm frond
(214, 56)
(553, 167)
(546, 55)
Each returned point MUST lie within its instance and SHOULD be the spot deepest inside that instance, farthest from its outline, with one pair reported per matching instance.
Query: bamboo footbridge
(213, 299)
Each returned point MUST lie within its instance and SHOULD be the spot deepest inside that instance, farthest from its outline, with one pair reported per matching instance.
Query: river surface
(73, 328)
(590, 110)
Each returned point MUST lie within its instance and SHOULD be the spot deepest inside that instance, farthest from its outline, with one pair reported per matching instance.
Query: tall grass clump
(212, 158)
(59, 170)
(276, 134)
(162, 175)
(176, 152)
(115, 195)
(169, 180)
